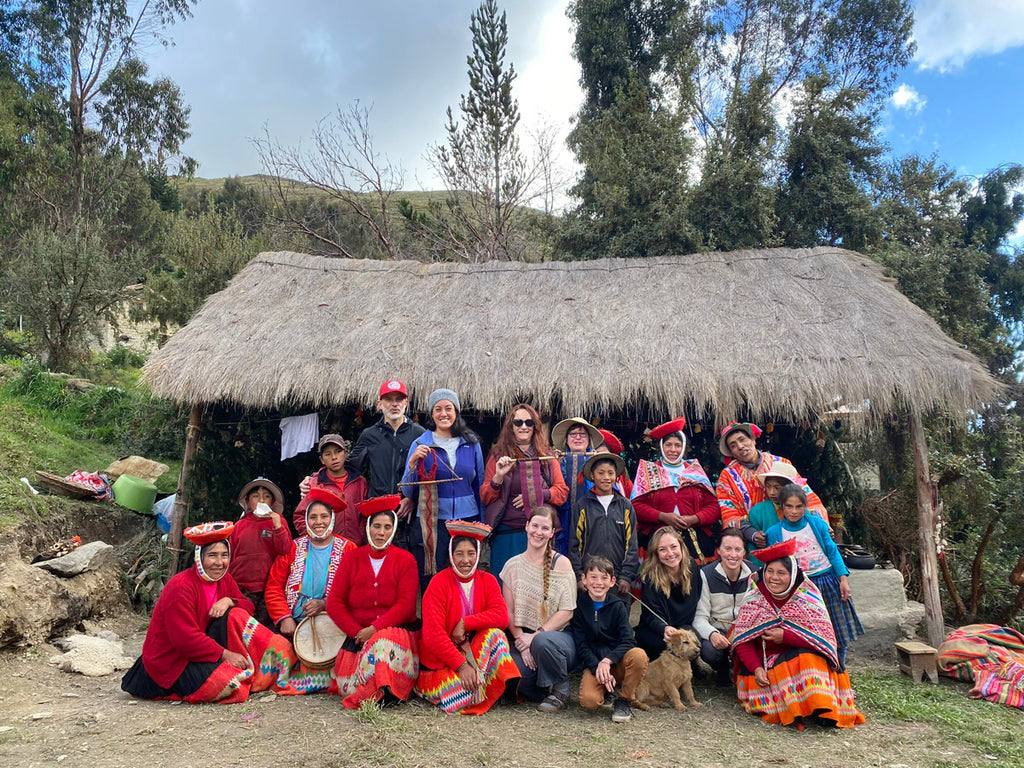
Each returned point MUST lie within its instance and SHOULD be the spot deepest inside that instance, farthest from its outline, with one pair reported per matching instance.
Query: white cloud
(906, 97)
(949, 32)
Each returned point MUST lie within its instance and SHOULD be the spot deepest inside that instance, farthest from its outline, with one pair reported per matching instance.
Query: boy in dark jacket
(604, 642)
(604, 523)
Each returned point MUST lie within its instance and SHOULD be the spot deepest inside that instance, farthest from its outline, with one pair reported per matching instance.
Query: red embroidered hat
(391, 387)
(371, 507)
(751, 430)
(662, 430)
(778, 551)
(613, 443)
(336, 503)
(208, 533)
(474, 530)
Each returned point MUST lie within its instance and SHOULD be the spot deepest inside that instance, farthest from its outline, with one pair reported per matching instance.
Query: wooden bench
(917, 660)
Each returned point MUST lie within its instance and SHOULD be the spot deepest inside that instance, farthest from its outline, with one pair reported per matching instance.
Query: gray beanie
(443, 394)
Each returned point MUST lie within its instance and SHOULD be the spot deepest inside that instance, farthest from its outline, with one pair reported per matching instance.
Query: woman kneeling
(465, 660)
(203, 643)
(787, 667)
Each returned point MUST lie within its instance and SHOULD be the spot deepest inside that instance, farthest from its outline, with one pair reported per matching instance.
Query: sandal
(555, 702)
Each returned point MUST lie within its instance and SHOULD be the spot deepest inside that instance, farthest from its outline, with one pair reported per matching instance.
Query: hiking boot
(622, 712)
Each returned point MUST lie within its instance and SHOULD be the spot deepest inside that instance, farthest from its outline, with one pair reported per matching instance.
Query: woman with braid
(540, 592)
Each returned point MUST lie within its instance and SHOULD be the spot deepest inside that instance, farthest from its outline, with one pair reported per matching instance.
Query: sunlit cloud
(949, 32)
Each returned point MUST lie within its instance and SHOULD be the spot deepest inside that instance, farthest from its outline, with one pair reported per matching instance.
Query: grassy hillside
(58, 425)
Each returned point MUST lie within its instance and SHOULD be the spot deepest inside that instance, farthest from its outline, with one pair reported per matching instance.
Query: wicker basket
(58, 486)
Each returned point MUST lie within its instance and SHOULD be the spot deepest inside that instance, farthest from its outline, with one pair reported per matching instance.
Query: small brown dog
(670, 673)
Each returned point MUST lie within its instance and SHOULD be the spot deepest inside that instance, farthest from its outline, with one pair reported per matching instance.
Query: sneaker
(622, 713)
(609, 700)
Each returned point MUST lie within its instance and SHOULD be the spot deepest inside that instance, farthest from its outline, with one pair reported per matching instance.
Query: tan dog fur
(670, 673)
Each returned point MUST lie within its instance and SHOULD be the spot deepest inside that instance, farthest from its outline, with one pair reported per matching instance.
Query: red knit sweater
(360, 598)
(254, 547)
(691, 500)
(177, 630)
(442, 609)
(277, 581)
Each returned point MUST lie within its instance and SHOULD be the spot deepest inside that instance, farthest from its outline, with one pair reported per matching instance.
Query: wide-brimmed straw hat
(561, 431)
(277, 505)
(588, 467)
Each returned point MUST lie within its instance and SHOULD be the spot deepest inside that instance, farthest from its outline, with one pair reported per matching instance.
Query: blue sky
(243, 64)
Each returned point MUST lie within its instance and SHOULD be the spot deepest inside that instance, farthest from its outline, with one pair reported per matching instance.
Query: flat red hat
(613, 443)
(371, 507)
(336, 503)
(474, 530)
(660, 431)
(208, 533)
(778, 551)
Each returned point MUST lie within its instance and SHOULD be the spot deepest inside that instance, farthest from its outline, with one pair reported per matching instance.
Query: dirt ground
(52, 718)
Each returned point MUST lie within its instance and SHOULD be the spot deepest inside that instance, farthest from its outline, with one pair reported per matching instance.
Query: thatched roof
(776, 332)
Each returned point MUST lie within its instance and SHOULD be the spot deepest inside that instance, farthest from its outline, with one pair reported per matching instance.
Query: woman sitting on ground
(540, 592)
(374, 602)
(670, 591)
(785, 648)
(299, 582)
(465, 664)
(203, 645)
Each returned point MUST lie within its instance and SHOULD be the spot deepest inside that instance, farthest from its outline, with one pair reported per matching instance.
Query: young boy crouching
(604, 642)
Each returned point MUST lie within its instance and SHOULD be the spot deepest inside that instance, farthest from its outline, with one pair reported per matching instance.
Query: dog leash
(653, 612)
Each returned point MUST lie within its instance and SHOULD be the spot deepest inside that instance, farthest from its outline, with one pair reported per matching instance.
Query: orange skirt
(802, 686)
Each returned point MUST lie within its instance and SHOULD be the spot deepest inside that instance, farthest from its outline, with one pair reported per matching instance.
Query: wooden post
(183, 495)
(926, 534)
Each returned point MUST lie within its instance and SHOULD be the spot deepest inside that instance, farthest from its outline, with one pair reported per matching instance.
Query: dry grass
(779, 332)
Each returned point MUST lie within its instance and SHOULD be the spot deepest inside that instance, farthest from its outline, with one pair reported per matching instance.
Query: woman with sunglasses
(521, 474)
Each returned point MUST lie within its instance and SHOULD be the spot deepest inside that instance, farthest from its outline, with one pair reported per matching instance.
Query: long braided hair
(549, 553)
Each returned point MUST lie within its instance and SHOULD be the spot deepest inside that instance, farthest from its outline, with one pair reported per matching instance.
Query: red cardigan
(442, 609)
(254, 547)
(359, 598)
(691, 500)
(177, 630)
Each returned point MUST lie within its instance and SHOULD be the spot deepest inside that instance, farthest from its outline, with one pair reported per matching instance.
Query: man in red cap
(385, 447)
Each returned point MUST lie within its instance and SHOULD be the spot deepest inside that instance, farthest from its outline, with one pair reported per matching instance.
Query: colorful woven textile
(427, 511)
(803, 685)
(804, 614)
(739, 489)
(293, 585)
(990, 655)
(390, 658)
(488, 652)
(651, 476)
(270, 659)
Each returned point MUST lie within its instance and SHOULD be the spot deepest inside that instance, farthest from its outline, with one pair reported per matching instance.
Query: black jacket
(601, 634)
(675, 608)
(386, 451)
(610, 534)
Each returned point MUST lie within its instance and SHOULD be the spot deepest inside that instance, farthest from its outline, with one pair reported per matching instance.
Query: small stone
(6, 728)
(86, 558)
(42, 715)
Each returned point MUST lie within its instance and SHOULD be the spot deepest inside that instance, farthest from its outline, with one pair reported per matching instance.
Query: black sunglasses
(522, 422)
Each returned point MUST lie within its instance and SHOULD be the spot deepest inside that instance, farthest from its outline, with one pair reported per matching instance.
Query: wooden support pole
(926, 534)
(183, 495)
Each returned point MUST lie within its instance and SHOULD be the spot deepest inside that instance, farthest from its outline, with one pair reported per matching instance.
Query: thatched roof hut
(772, 333)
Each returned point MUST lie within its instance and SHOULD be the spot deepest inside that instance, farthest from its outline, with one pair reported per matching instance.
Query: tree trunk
(926, 534)
(183, 494)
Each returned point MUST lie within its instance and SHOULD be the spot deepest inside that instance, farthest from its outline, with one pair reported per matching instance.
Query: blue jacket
(457, 500)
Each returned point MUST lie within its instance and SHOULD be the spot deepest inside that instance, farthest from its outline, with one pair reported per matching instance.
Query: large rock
(884, 610)
(87, 557)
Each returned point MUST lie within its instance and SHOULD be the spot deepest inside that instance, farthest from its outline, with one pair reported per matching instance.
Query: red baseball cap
(391, 387)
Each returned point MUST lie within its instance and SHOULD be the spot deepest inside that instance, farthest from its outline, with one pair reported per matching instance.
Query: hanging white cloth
(299, 434)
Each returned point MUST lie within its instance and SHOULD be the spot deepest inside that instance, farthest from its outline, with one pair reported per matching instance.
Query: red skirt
(389, 659)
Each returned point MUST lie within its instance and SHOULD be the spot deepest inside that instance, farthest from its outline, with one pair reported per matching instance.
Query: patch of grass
(991, 728)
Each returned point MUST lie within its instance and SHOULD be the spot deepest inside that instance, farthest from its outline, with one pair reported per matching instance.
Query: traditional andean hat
(371, 507)
(208, 533)
(588, 468)
(663, 430)
(752, 431)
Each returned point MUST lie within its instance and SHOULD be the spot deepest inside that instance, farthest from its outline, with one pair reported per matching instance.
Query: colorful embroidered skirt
(304, 679)
(801, 685)
(389, 659)
(270, 659)
(494, 663)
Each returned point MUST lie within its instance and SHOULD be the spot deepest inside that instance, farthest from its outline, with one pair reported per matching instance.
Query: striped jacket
(610, 534)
